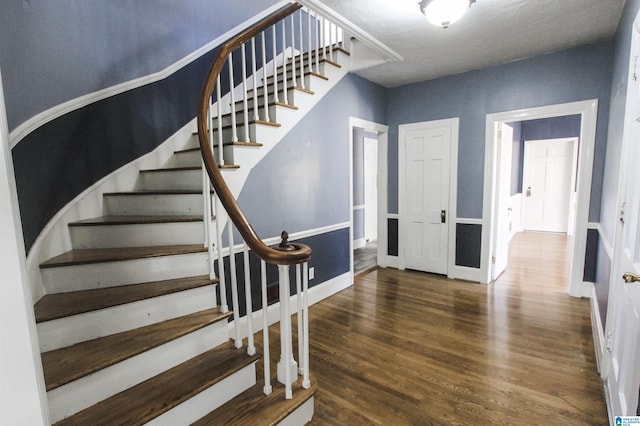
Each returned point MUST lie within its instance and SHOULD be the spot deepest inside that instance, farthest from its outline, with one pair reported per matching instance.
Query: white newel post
(287, 366)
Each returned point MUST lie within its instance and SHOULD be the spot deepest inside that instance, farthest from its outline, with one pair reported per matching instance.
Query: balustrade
(293, 53)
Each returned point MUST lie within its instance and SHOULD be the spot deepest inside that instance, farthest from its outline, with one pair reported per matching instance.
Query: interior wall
(52, 52)
(571, 75)
(308, 171)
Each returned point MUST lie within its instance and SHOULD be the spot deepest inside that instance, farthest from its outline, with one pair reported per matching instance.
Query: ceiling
(490, 33)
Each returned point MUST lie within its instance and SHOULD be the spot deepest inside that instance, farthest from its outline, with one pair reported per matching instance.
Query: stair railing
(296, 51)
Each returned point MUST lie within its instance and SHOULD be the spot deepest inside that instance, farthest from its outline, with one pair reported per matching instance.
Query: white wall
(21, 381)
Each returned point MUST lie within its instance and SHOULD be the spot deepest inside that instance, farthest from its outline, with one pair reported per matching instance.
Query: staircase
(133, 329)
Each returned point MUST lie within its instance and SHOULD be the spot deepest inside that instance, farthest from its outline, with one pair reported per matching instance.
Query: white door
(424, 200)
(549, 173)
(370, 189)
(504, 138)
(623, 322)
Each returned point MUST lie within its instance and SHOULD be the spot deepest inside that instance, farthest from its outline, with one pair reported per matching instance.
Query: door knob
(529, 192)
(631, 278)
(443, 216)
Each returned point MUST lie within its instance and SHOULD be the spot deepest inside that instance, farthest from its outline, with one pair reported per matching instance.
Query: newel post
(287, 366)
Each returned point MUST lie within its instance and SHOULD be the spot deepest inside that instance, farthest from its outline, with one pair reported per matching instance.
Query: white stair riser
(67, 331)
(186, 159)
(301, 415)
(136, 235)
(274, 111)
(209, 399)
(171, 180)
(109, 274)
(89, 390)
(153, 205)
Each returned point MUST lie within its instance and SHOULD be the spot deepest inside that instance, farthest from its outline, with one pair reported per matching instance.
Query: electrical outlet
(312, 273)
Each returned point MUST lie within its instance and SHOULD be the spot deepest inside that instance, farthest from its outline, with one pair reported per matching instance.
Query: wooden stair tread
(87, 256)
(260, 104)
(236, 143)
(147, 400)
(62, 366)
(61, 305)
(134, 220)
(156, 192)
(173, 169)
(253, 407)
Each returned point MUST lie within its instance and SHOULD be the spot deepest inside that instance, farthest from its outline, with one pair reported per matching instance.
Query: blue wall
(305, 178)
(571, 75)
(52, 52)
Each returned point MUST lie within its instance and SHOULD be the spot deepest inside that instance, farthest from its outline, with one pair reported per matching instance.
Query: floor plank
(408, 348)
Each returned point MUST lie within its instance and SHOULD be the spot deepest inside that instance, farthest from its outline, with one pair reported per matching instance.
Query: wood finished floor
(408, 348)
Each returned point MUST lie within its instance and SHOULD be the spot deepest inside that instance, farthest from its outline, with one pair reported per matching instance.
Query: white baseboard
(586, 290)
(359, 243)
(467, 274)
(392, 262)
(598, 331)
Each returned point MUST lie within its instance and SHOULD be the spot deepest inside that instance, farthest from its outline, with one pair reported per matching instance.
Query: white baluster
(306, 382)
(224, 304)
(265, 86)
(234, 286)
(251, 348)
(331, 41)
(265, 329)
(276, 97)
(299, 318)
(206, 218)
(287, 366)
(323, 30)
(317, 33)
(284, 64)
(245, 103)
(293, 52)
(254, 74)
(302, 80)
(232, 86)
(220, 140)
(309, 41)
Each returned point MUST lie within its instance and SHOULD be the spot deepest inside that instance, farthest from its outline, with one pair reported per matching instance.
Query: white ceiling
(490, 33)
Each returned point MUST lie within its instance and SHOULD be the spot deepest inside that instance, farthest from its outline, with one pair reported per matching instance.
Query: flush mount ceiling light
(443, 13)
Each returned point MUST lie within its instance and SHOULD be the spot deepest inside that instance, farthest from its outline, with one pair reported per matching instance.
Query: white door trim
(588, 110)
(383, 131)
(454, 124)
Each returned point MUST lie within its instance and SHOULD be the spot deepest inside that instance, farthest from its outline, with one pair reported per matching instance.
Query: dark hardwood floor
(409, 348)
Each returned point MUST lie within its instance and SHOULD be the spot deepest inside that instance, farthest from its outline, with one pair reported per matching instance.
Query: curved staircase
(133, 329)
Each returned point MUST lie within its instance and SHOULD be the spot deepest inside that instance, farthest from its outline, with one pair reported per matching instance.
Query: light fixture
(443, 13)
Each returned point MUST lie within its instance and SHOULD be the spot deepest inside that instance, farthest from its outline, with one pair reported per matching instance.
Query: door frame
(383, 132)
(589, 114)
(454, 125)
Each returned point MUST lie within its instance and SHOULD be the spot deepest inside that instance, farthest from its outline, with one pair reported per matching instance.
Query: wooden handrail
(286, 253)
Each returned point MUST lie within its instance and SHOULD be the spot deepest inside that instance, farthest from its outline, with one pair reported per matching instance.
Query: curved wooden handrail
(285, 253)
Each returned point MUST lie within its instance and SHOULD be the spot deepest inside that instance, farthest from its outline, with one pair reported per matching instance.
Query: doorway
(549, 184)
(367, 195)
(365, 200)
(586, 113)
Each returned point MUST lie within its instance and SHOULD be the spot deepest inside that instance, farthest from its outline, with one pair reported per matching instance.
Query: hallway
(408, 348)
